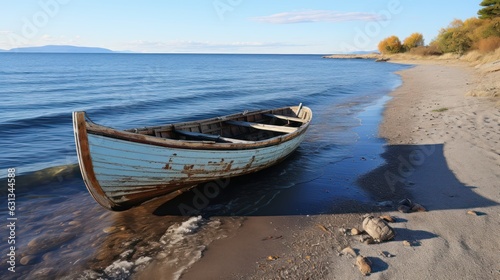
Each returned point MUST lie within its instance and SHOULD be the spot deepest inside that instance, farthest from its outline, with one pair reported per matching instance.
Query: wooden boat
(124, 168)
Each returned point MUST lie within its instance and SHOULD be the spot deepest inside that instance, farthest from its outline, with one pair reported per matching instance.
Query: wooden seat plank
(210, 137)
(294, 119)
(275, 128)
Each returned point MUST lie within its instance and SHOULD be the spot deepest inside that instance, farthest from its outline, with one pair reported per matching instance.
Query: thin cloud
(318, 16)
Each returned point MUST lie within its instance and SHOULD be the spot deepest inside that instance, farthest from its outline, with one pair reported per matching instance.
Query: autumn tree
(414, 40)
(491, 9)
(454, 38)
(390, 45)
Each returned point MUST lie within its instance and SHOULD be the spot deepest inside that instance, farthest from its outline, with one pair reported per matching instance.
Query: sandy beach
(442, 151)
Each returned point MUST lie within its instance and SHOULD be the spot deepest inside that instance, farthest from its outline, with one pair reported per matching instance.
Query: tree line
(477, 33)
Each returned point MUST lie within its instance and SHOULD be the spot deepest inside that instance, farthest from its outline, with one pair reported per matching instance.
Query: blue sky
(224, 26)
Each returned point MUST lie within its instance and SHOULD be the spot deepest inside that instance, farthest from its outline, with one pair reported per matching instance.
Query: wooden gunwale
(183, 144)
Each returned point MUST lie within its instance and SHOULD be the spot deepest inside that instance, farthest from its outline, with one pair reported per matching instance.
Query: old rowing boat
(124, 168)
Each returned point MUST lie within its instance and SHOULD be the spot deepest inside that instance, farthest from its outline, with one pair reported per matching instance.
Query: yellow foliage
(461, 36)
(414, 40)
(390, 45)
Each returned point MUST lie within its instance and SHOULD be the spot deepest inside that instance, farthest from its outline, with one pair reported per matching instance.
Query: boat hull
(120, 173)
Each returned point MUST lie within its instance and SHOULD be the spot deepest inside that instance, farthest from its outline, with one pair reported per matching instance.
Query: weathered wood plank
(294, 119)
(210, 137)
(268, 127)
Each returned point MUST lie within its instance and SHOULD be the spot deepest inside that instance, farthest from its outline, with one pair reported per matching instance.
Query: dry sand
(442, 152)
(455, 140)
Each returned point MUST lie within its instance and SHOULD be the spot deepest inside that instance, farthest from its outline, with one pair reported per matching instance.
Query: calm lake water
(61, 232)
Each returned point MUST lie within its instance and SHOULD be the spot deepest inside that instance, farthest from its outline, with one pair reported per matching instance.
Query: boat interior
(246, 127)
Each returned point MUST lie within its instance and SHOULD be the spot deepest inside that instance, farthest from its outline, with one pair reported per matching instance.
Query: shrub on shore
(488, 44)
(390, 45)
(415, 40)
(459, 37)
(462, 36)
(426, 50)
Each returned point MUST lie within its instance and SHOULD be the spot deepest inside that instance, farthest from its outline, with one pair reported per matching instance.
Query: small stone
(385, 254)
(348, 251)
(406, 243)
(343, 231)
(387, 218)
(404, 209)
(418, 208)
(323, 228)
(355, 231)
(406, 202)
(472, 212)
(369, 241)
(378, 229)
(363, 265)
(272, 258)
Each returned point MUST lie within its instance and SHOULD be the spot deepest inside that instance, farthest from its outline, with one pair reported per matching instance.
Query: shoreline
(449, 139)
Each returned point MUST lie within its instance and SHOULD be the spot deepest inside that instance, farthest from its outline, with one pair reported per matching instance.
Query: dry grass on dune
(486, 64)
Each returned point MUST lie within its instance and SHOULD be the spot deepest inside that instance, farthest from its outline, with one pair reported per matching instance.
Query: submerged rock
(43, 273)
(109, 229)
(48, 243)
(406, 202)
(387, 203)
(28, 259)
(404, 209)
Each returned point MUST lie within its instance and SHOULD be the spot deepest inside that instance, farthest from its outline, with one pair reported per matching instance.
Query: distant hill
(61, 49)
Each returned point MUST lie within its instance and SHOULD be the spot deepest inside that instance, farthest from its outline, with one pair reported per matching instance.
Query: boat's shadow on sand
(418, 172)
(421, 172)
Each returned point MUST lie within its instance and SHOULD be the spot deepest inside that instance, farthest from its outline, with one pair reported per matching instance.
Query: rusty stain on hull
(168, 165)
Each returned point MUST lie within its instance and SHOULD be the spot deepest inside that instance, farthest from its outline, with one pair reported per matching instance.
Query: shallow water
(61, 232)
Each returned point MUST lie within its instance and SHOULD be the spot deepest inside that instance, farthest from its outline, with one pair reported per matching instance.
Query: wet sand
(442, 152)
